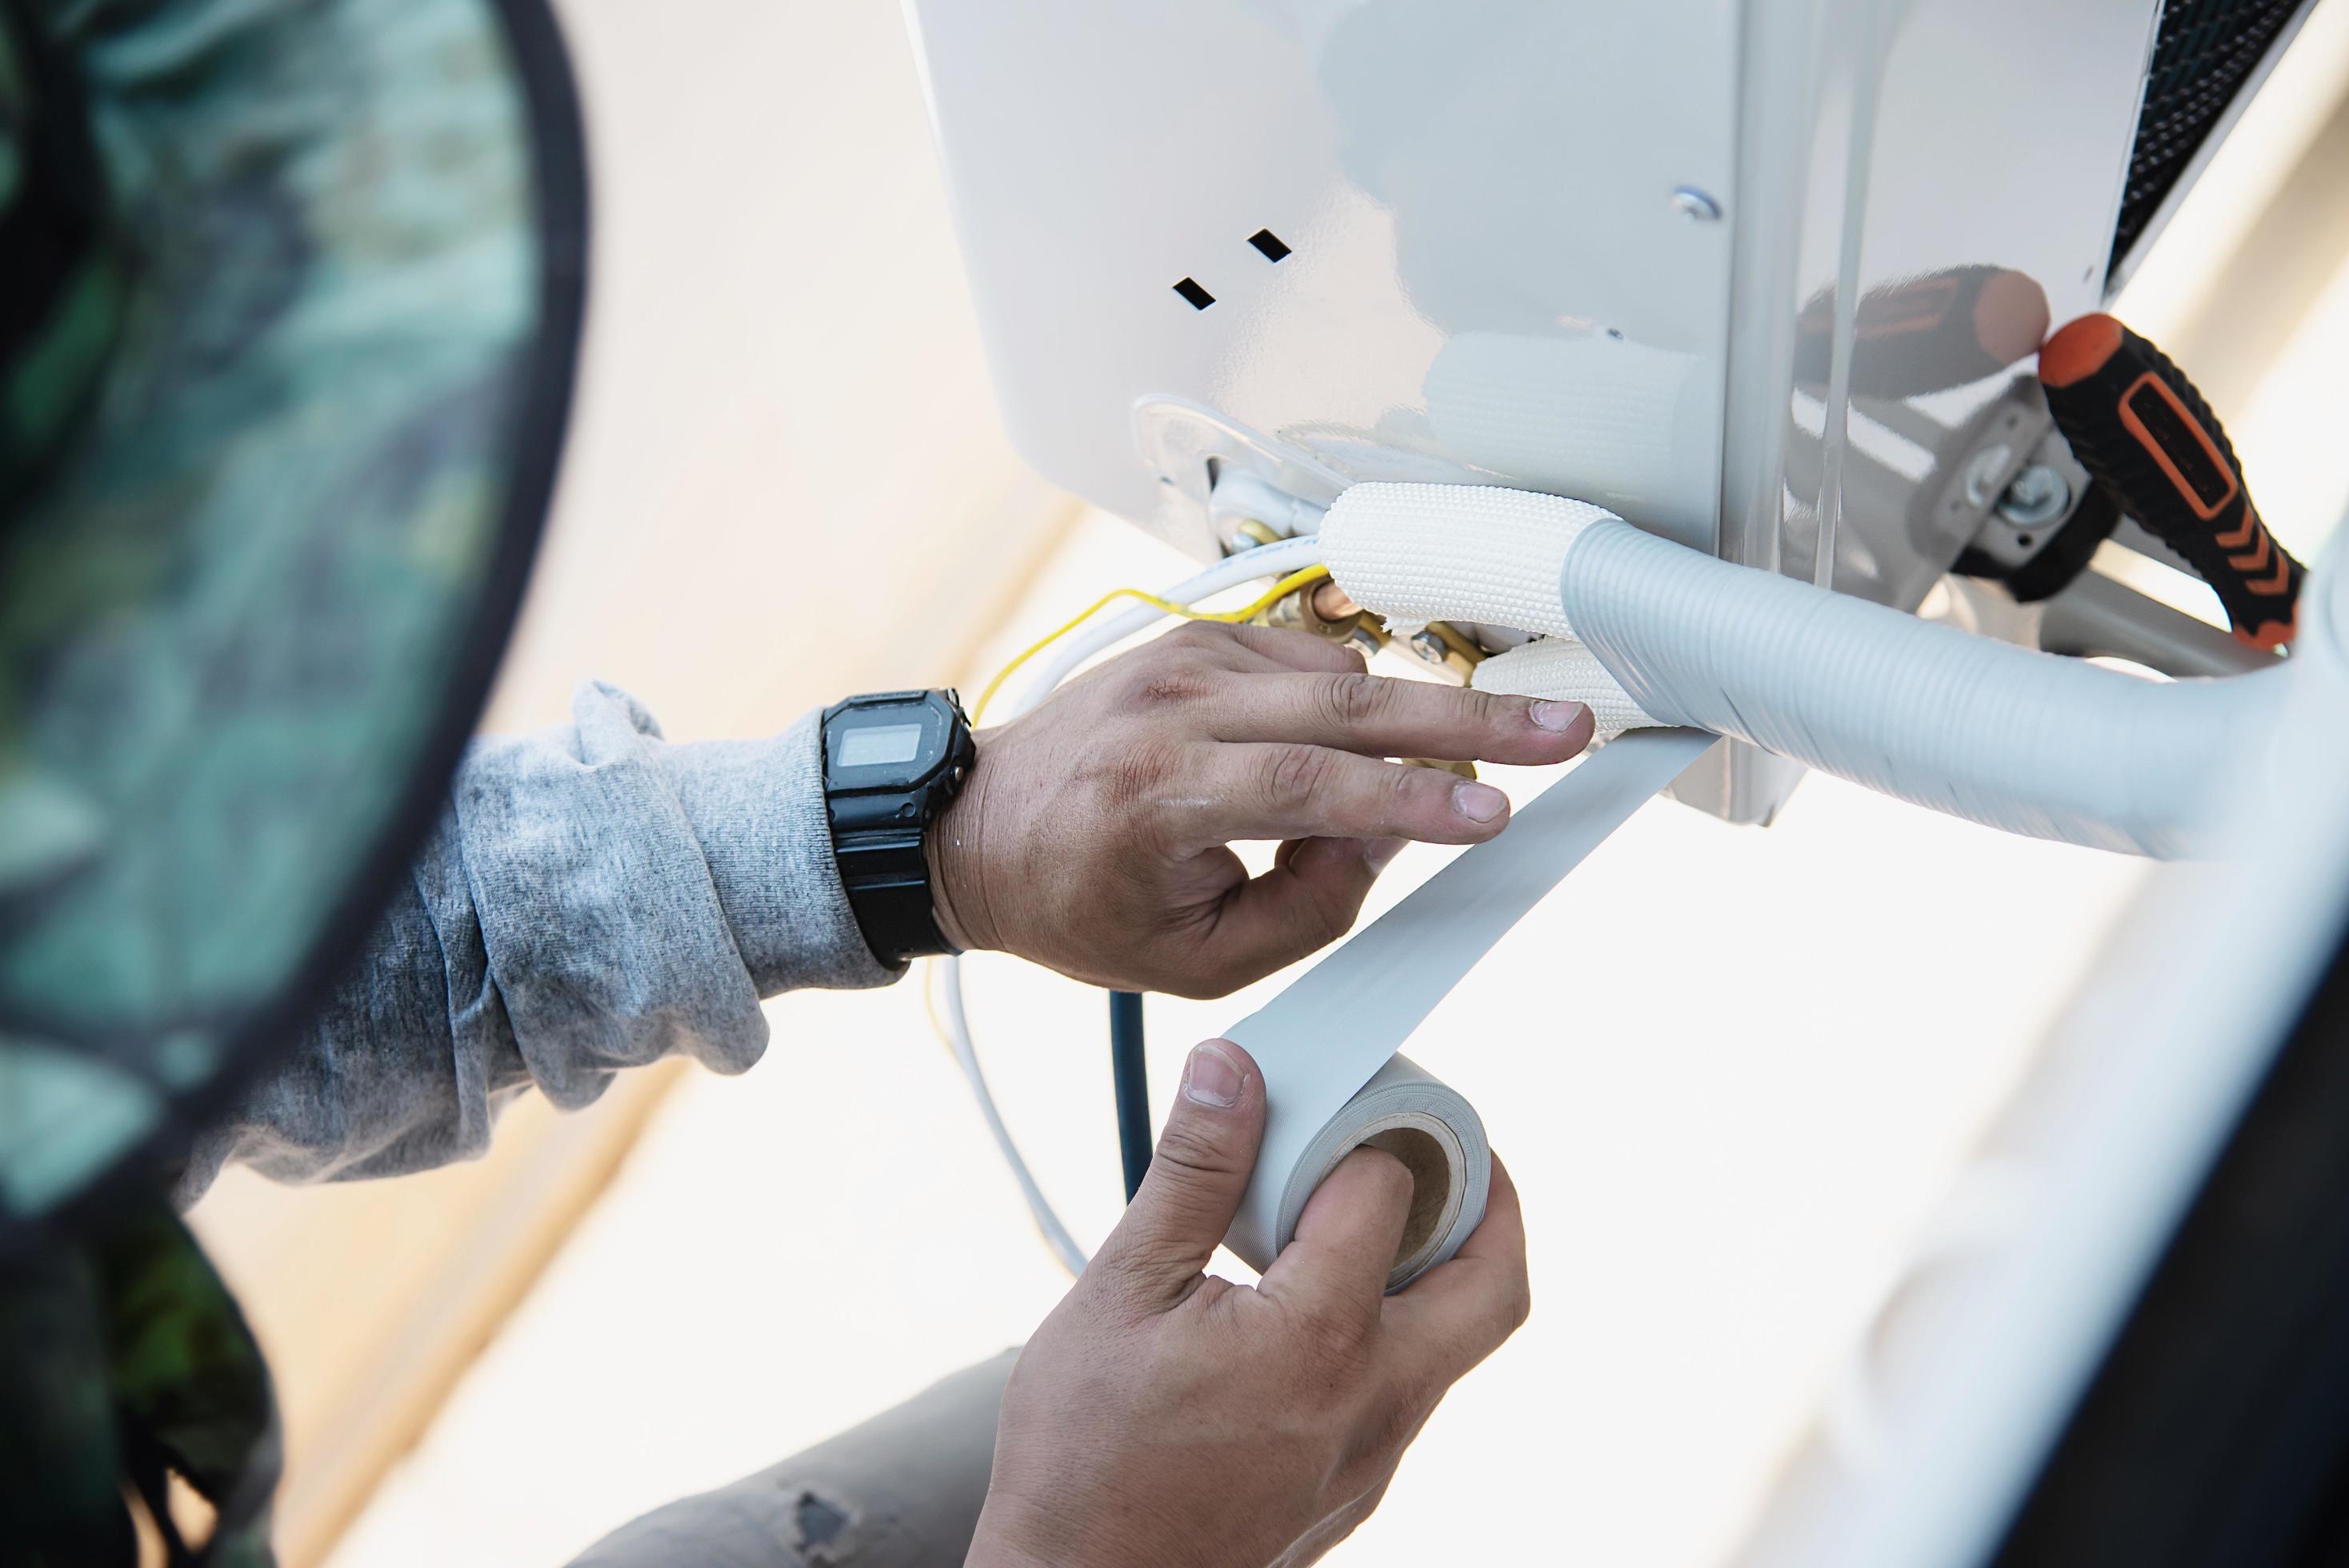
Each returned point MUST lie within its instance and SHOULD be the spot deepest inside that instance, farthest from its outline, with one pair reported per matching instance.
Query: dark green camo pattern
(272, 316)
(227, 613)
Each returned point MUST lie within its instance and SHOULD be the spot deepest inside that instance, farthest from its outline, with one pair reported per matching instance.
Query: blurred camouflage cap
(290, 292)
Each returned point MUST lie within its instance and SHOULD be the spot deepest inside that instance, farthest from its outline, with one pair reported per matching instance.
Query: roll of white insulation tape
(1327, 1045)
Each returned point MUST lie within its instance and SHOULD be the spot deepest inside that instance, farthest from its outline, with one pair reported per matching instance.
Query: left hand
(1093, 834)
(1162, 1418)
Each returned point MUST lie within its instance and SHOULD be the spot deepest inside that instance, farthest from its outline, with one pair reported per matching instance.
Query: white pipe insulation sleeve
(1560, 666)
(2030, 742)
(1417, 553)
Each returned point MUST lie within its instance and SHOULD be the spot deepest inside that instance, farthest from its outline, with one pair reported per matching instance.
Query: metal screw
(1429, 646)
(1695, 205)
(2037, 497)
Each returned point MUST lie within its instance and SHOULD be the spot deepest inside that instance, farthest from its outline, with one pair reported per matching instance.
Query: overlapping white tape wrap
(1327, 1045)
(1649, 632)
(1417, 553)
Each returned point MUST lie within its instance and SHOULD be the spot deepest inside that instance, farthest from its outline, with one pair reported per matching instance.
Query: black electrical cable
(1129, 1079)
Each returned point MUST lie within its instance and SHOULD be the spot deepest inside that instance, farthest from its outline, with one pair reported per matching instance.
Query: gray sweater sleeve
(593, 899)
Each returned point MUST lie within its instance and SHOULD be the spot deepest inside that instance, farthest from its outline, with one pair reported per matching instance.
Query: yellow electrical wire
(1274, 596)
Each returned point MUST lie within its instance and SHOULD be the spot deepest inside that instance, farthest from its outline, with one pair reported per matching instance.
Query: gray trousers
(902, 1490)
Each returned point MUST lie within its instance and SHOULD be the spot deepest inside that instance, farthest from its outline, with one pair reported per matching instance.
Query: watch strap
(877, 835)
(887, 878)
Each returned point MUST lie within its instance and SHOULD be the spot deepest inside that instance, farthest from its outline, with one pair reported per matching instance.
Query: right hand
(1094, 835)
(1167, 1418)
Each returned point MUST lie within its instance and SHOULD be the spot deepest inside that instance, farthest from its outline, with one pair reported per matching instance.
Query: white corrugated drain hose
(1650, 631)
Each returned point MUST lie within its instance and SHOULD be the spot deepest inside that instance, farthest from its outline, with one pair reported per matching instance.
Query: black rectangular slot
(1200, 298)
(1266, 241)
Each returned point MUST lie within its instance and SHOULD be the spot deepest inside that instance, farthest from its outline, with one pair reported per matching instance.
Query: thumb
(1197, 1177)
(1305, 902)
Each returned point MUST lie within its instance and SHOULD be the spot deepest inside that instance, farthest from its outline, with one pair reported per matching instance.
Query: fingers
(1346, 1238)
(1261, 791)
(1197, 1177)
(1460, 1312)
(1308, 901)
(1381, 716)
(1295, 650)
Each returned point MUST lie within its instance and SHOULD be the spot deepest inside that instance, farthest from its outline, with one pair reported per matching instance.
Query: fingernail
(1478, 802)
(1212, 1078)
(1377, 852)
(1557, 716)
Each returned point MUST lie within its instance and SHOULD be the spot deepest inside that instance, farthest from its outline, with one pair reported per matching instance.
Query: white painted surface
(1472, 201)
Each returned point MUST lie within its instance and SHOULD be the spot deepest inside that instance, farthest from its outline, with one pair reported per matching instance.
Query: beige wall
(785, 483)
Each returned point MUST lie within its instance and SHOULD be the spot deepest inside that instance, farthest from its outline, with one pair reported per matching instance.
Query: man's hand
(1092, 836)
(1162, 1418)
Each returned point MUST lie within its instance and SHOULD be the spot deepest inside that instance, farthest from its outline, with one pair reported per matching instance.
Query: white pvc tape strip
(1327, 1045)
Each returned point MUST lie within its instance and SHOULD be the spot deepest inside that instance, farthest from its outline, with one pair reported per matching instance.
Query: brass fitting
(1440, 648)
(1251, 531)
(1323, 609)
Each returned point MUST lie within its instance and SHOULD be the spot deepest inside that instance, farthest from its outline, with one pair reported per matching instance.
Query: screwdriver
(2140, 427)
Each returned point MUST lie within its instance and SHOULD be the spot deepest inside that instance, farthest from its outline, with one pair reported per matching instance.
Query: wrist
(952, 848)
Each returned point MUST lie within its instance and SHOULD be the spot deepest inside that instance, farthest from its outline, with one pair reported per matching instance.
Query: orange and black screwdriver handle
(1925, 333)
(2140, 427)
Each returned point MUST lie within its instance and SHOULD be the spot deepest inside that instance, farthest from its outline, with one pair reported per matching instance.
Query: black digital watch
(891, 762)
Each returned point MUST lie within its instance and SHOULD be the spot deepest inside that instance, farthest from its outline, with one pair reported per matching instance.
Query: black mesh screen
(2205, 50)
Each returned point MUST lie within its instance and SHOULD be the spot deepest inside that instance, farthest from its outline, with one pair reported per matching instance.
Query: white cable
(1265, 560)
(1056, 1236)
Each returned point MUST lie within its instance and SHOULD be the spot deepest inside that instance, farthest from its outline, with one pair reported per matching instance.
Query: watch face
(889, 745)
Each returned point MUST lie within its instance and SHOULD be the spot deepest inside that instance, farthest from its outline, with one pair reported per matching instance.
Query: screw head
(2037, 497)
(1695, 205)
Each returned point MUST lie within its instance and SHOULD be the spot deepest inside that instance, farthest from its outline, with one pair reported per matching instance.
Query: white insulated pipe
(2030, 742)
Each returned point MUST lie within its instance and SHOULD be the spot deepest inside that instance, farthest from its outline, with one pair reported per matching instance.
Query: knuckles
(1168, 685)
(1488, 708)
(1197, 636)
(1296, 773)
(1196, 1152)
(1184, 667)
(1130, 774)
(1352, 701)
